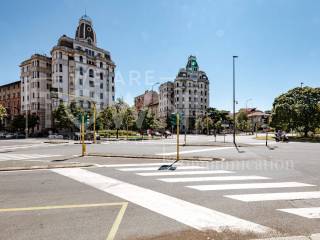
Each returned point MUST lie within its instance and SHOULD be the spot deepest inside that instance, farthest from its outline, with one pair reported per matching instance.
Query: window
(112, 88)
(81, 59)
(60, 79)
(91, 83)
(81, 71)
(112, 79)
(60, 55)
(80, 82)
(101, 65)
(89, 105)
(101, 85)
(101, 95)
(60, 67)
(81, 93)
(81, 103)
(101, 76)
(92, 94)
(91, 74)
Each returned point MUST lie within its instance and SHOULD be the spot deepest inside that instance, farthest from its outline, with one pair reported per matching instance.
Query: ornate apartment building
(82, 72)
(79, 71)
(35, 77)
(188, 94)
(10, 100)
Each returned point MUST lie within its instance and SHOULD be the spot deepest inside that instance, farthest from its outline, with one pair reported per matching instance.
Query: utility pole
(234, 101)
(178, 126)
(94, 123)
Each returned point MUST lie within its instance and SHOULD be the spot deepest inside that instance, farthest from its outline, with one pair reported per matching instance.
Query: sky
(277, 41)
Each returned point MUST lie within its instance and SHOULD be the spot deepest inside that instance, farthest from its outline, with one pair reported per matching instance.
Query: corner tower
(85, 32)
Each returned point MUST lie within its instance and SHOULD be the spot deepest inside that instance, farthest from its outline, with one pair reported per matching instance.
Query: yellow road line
(62, 207)
(115, 225)
(117, 222)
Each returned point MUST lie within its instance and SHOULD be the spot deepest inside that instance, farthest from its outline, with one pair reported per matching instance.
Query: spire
(192, 65)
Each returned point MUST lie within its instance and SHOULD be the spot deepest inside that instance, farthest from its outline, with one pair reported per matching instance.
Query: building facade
(149, 100)
(82, 73)
(188, 94)
(10, 100)
(35, 77)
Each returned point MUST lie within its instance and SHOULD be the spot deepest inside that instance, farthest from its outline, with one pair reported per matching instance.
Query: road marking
(183, 173)
(115, 225)
(202, 179)
(249, 186)
(179, 210)
(156, 168)
(6, 157)
(275, 196)
(194, 151)
(132, 165)
(304, 212)
(117, 222)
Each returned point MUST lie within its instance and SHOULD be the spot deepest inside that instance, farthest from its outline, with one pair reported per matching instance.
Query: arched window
(91, 74)
(81, 71)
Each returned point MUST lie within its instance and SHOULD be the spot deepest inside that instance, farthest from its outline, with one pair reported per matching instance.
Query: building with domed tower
(81, 71)
(78, 70)
(188, 94)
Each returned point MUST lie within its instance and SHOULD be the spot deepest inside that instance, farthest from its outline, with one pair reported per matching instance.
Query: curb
(8, 169)
(207, 159)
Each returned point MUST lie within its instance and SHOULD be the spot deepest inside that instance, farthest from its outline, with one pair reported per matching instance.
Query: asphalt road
(256, 189)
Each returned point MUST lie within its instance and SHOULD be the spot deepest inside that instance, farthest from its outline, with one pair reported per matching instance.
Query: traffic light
(173, 119)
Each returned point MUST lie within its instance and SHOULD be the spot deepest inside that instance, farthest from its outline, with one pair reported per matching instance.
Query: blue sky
(278, 41)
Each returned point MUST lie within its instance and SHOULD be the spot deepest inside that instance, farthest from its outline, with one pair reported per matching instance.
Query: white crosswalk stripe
(134, 165)
(7, 157)
(156, 168)
(312, 212)
(275, 196)
(206, 172)
(202, 179)
(249, 186)
(182, 211)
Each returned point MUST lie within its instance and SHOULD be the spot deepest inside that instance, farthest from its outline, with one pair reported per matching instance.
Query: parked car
(9, 136)
(55, 136)
(2, 135)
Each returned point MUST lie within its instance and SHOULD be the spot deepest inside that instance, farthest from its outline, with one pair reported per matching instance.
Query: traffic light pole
(94, 123)
(82, 135)
(178, 126)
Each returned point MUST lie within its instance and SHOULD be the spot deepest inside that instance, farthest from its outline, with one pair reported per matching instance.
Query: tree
(199, 124)
(298, 109)
(218, 117)
(63, 118)
(207, 123)
(242, 121)
(3, 112)
(19, 122)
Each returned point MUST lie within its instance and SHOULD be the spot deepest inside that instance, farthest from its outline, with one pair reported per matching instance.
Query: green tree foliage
(242, 121)
(19, 122)
(3, 112)
(63, 118)
(298, 109)
(218, 117)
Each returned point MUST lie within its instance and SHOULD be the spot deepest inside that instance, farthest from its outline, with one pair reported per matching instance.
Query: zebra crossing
(194, 176)
(15, 157)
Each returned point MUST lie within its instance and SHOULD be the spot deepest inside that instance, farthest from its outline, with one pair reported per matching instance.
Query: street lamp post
(234, 101)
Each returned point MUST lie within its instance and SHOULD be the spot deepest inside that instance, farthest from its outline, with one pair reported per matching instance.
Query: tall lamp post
(234, 101)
